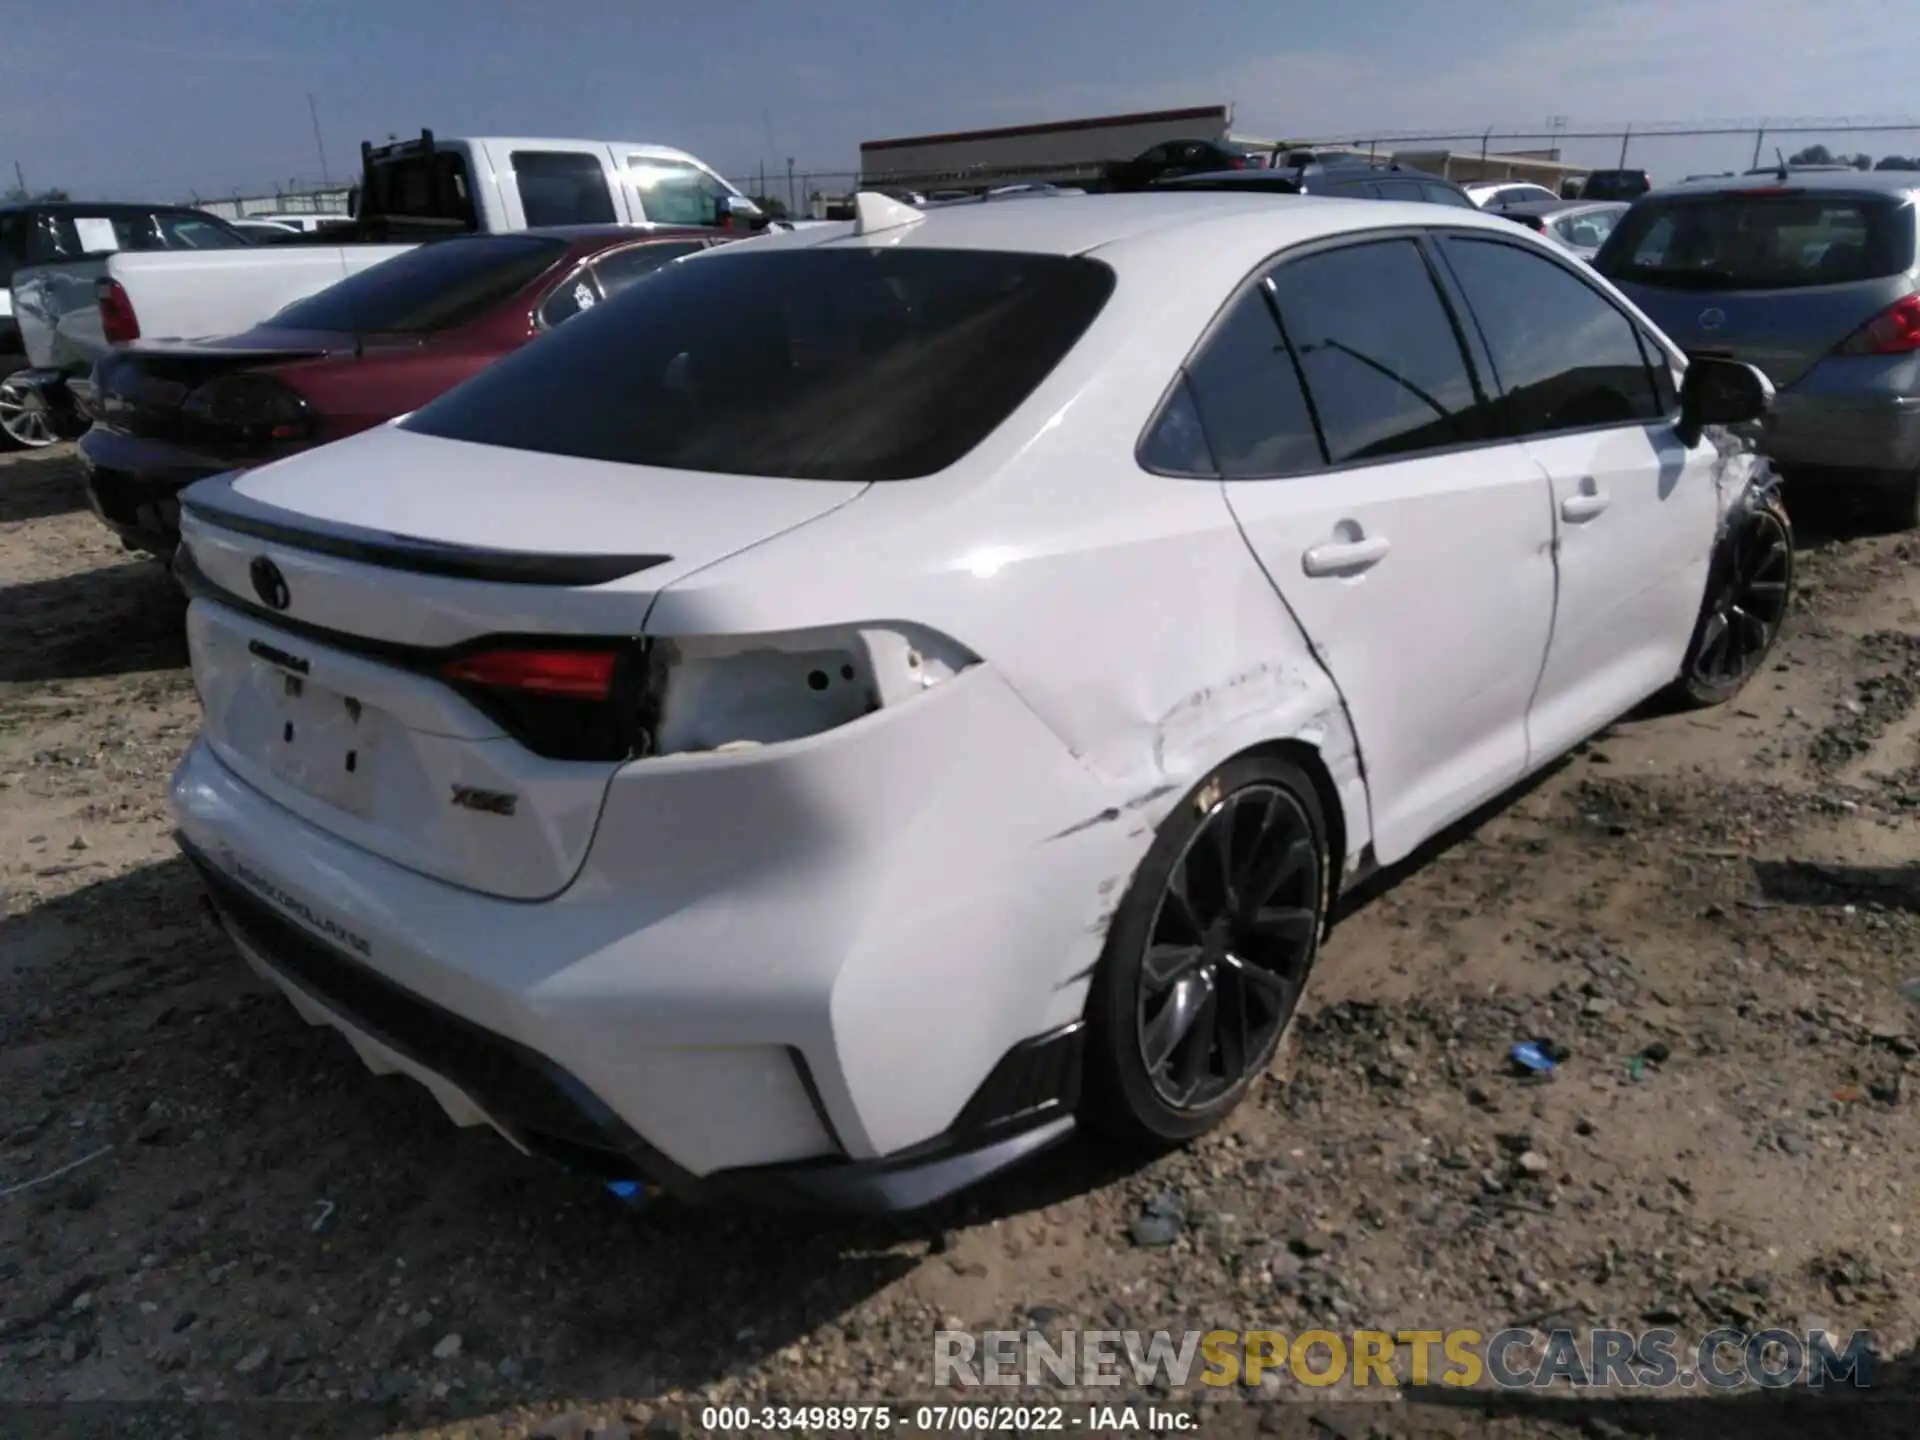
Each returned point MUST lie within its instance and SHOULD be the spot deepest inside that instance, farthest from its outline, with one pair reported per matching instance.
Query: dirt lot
(1716, 915)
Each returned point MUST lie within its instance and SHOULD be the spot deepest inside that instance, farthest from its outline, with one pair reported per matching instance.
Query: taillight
(1894, 331)
(565, 702)
(566, 674)
(117, 321)
(250, 410)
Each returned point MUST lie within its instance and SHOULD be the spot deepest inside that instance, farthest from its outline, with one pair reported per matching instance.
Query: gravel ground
(1716, 917)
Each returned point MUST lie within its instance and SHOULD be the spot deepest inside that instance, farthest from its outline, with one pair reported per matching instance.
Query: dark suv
(1616, 185)
(1354, 180)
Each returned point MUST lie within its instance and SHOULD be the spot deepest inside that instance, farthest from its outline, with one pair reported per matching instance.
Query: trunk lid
(139, 388)
(1783, 332)
(332, 590)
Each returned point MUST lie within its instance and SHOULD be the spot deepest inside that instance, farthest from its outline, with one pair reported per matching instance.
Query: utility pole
(792, 206)
(318, 144)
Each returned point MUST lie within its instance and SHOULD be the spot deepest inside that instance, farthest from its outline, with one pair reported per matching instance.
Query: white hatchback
(863, 702)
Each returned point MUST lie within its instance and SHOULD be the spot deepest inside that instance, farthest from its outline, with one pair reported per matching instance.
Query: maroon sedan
(377, 345)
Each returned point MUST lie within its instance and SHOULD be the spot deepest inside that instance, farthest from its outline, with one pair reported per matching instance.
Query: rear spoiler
(215, 502)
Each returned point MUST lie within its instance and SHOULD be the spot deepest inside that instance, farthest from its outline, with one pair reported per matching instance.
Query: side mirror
(1721, 392)
(733, 209)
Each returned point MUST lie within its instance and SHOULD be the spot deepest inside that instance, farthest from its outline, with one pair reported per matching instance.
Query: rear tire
(1208, 954)
(1749, 587)
(25, 421)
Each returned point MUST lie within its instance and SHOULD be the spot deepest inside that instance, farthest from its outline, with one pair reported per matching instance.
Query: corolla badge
(269, 584)
(1712, 318)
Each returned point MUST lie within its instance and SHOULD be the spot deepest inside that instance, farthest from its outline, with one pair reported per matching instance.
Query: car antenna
(873, 211)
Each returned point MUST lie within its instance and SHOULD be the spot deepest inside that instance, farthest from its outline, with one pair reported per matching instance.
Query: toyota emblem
(1712, 319)
(269, 584)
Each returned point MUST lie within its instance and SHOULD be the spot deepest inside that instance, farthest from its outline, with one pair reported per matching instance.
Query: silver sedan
(1582, 226)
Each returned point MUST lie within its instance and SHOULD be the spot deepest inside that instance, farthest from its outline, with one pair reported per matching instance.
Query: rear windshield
(1732, 241)
(429, 188)
(816, 364)
(429, 288)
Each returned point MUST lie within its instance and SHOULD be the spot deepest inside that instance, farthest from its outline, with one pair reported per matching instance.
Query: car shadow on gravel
(1808, 882)
(1376, 883)
(39, 487)
(255, 1153)
(1885, 1407)
(114, 620)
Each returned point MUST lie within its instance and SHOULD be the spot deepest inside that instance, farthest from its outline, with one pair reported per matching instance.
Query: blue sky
(146, 99)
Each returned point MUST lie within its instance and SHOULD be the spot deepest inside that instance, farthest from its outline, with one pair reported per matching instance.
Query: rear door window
(829, 364)
(1755, 240)
(562, 187)
(621, 268)
(1444, 195)
(1246, 388)
(674, 192)
(1383, 364)
(431, 287)
(1566, 359)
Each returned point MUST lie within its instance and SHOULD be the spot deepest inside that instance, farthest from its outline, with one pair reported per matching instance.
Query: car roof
(1824, 182)
(1559, 207)
(1237, 229)
(525, 142)
(99, 207)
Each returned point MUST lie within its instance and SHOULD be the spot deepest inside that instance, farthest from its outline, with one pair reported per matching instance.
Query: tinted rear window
(429, 288)
(849, 364)
(1732, 241)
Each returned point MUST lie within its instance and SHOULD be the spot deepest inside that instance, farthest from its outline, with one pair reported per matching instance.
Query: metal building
(1065, 152)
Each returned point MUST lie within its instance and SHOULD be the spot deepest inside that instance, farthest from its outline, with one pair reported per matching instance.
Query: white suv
(859, 704)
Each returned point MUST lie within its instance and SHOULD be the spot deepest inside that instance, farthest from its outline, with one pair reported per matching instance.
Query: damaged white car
(834, 718)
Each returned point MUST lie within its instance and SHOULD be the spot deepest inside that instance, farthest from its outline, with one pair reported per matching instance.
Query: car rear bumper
(881, 1021)
(1844, 430)
(134, 484)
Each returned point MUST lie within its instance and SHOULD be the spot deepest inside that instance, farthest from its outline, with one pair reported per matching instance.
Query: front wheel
(25, 421)
(1749, 587)
(1208, 954)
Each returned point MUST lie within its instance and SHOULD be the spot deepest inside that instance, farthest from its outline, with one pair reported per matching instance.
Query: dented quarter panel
(1124, 607)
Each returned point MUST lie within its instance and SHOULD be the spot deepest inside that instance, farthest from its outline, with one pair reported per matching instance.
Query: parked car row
(859, 703)
(84, 278)
(350, 357)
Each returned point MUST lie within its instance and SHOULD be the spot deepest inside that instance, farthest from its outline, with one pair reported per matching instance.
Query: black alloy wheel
(1748, 595)
(1209, 953)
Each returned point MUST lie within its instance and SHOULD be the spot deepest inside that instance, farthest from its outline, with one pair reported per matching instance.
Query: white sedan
(862, 703)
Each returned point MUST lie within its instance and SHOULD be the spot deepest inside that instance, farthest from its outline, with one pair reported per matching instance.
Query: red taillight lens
(251, 409)
(117, 321)
(567, 674)
(1894, 331)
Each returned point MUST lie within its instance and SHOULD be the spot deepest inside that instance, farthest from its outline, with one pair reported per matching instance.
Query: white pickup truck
(70, 311)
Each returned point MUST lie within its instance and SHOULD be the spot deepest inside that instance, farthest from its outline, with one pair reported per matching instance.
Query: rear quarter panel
(354, 395)
(59, 319)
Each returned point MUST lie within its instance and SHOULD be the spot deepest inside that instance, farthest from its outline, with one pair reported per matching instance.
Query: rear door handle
(1346, 557)
(1588, 502)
